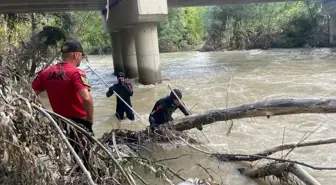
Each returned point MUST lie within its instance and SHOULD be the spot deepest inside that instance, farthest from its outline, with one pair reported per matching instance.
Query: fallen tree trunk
(264, 108)
(281, 171)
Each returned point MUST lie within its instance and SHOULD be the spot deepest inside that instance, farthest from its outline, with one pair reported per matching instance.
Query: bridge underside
(188, 3)
(27, 6)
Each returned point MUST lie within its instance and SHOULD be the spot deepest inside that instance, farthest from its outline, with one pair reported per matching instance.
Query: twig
(304, 138)
(172, 158)
(230, 128)
(115, 144)
(176, 174)
(140, 178)
(190, 110)
(228, 89)
(283, 140)
(205, 152)
(205, 171)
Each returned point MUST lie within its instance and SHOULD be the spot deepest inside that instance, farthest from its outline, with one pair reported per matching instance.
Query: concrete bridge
(132, 25)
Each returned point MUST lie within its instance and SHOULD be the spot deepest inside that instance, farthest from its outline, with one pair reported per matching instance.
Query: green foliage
(90, 32)
(183, 31)
(266, 25)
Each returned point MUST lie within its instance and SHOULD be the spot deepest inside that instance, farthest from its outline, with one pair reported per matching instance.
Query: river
(255, 75)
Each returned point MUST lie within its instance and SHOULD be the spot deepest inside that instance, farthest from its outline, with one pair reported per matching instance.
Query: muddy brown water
(255, 75)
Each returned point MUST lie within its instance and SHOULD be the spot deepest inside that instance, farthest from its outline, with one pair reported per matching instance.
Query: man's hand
(109, 92)
(200, 127)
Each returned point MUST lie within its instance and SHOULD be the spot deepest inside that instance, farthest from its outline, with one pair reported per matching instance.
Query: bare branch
(287, 146)
(140, 178)
(172, 158)
(246, 157)
(206, 170)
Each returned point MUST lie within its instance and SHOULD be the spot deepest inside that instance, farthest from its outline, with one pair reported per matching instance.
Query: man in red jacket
(68, 88)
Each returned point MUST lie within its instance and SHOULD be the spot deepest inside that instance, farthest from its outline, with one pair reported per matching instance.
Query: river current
(227, 79)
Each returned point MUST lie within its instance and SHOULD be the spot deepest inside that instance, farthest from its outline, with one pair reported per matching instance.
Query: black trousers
(78, 141)
(121, 110)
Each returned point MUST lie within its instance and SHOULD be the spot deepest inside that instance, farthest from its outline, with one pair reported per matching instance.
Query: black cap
(120, 74)
(72, 46)
(177, 92)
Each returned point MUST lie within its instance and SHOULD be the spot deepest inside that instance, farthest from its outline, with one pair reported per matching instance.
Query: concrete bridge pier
(148, 55)
(128, 51)
(116, 53)
(137, 21)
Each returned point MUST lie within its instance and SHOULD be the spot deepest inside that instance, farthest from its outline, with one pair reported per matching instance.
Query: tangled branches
(32, 150)
(25, 140)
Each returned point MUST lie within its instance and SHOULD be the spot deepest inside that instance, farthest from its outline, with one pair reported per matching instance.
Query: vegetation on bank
(229, 27)
(268, 25)
(246, 26)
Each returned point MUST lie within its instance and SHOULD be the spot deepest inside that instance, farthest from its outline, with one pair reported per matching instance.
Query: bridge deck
(26, 6)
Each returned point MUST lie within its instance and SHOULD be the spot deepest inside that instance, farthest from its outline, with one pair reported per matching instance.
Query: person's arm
(183, 110)
(129, 88)
(87, 103)
(110, 91)
(82, 86)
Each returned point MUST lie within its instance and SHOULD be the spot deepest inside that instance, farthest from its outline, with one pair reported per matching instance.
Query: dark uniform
(164, 108)
(125, 91)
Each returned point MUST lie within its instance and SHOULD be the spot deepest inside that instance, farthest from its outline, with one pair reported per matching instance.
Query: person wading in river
(125, 91)
(164, 108)
(68, 91)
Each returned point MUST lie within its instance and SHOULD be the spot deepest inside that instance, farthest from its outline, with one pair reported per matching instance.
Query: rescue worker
(125, 90)
(68, 91)
(164, 108)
